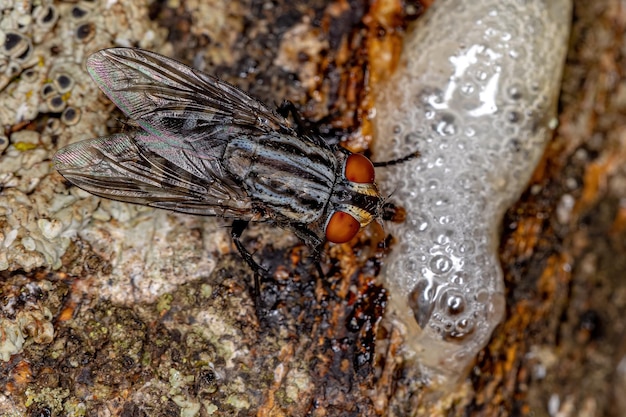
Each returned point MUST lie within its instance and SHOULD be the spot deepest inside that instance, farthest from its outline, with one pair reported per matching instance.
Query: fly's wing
(190, 116)
(121, 167)
(181, 106)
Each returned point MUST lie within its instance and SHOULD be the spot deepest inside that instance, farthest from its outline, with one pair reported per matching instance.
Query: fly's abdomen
(291, 177)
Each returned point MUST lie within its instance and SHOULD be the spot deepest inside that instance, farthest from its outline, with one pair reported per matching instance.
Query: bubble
(434, 97)
(465, 325)
(535, 87)
(514, 145)
(467, 89)
(481, 297)
(441, 264)
(453, 302)
(470, 131)
(515, 92)
(516, 54)
(445, 220)
(467, 247)
(466, 181)
(439, 201)
(420, 223)
(433, 184)
(513, 116)
(459, 279)
(412, 138)
(421, 301)
(481, 75)
(411, 266)
(446, 126)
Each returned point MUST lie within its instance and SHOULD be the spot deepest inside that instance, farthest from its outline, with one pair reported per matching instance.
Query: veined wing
(176, 103)
(121, 167)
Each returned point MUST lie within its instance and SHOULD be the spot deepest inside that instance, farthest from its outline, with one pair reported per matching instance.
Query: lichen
(40, 98)
(49, 101)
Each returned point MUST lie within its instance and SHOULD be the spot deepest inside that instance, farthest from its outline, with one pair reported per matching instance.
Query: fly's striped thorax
(292, 177)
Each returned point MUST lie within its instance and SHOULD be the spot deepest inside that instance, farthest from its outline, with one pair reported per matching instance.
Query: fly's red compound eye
(359, 169)
(342, 227)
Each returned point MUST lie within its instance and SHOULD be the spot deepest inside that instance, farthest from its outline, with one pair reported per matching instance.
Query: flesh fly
(205, 147)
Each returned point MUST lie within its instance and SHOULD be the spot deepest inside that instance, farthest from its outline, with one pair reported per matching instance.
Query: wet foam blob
(476, 94)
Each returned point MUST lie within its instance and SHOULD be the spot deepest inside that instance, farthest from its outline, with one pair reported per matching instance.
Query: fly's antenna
(397, 161)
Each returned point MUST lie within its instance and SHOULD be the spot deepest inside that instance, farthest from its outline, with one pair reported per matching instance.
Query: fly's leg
(304, 128)
(397, 161)
(286, 108)
(314, 243)
(316, 256)
(237, 230)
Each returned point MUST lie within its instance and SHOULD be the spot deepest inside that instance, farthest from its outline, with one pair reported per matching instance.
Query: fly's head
(355, 201)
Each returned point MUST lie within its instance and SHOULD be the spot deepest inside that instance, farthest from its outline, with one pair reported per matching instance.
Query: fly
(205, 147)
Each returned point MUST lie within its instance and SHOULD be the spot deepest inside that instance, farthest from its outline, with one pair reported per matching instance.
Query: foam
(476, 93)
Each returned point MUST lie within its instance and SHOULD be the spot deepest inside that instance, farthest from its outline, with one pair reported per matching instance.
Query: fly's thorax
(288, 177)
(355, 201)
